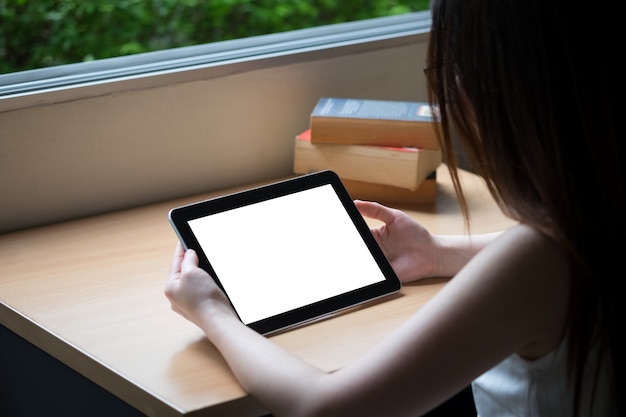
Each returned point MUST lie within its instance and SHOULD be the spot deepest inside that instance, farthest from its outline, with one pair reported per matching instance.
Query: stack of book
(384, 151)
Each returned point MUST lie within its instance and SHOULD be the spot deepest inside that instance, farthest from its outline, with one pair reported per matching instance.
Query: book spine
(400, 167)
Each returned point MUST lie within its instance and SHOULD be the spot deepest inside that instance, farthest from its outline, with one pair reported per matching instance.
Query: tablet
(287, 253)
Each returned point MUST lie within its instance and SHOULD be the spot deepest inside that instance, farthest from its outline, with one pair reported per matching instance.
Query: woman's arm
(511, 297)
(268, 372)
(455, 251)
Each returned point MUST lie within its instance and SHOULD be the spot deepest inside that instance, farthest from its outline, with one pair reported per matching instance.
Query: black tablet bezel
(180, 216)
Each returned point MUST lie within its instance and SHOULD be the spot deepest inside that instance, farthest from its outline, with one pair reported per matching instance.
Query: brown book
(404, 168)
(373, 122)
(425, 194)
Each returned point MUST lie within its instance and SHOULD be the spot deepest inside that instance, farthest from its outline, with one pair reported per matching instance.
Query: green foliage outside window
(42, 33)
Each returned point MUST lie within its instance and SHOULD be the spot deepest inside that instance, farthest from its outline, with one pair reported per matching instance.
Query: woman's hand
(192, 291)
(408, 246)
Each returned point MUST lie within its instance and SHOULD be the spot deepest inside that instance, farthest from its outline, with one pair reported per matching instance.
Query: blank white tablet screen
(287, 252)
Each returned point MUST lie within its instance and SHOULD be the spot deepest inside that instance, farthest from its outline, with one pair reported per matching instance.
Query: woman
(530, 317)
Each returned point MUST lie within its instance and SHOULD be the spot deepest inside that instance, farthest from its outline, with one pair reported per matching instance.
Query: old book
(425, 194)
(402, 167)
(351, 121)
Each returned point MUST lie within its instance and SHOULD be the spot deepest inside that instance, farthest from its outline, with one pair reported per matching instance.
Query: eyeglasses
(430, 67)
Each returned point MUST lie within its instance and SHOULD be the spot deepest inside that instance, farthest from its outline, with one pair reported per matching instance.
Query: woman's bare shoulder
(529, 272)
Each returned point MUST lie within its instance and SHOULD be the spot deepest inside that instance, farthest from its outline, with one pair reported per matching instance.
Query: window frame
(89, 79)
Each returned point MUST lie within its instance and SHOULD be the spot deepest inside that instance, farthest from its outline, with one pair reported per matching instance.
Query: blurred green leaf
(35, 34)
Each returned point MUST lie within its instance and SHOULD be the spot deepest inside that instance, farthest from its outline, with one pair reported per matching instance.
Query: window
(155, 68)
(38, 34)
(88, 138)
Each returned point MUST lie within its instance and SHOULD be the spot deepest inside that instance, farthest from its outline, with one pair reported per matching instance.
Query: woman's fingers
(177, 259)
(190, 261)
(375, 211)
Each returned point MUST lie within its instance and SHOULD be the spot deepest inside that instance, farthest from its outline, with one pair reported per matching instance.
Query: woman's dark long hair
(530, 88)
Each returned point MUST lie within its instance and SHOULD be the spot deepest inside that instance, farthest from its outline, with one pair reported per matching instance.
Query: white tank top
(517, 387)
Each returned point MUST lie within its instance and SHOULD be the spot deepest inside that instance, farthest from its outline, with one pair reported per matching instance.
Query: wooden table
(90, 293)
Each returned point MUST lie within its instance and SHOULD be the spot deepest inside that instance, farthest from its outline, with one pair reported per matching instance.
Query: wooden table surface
(90, 293)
